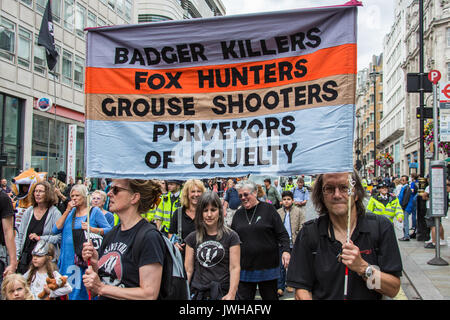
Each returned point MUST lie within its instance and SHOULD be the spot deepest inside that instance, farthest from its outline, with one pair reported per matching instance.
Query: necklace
(246, 215)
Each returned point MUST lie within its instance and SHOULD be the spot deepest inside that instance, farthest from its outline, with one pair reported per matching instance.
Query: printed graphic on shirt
(110, 264)
(210, 253)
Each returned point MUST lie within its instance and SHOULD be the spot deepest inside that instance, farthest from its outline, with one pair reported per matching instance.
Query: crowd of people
(234, 236)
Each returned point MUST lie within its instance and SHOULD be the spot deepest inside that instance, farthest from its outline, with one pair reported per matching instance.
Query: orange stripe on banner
(221, 78)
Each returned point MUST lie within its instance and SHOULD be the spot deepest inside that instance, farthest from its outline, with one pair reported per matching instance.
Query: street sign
(413, 83)
(427, 113)
(434, 76)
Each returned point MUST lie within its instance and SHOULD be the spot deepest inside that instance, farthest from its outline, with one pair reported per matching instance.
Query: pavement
(430, 282)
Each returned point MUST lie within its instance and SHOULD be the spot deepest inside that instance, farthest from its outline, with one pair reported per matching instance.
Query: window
(91, 20)
(68, 14)
(80, 20)
(142, 18)
(24, 48)
(101, 22)
(128, 8)
(78, 73)
(56, 9)
(7, 39)
(39, 57)
(54, 75)
(448, 37)
(27, 2)
(448, 71)
(67, 60)
(120, 6)
(112, 4)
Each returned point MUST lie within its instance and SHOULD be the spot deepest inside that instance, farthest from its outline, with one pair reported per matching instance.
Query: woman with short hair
(262, 235)
(98, 199)
(75, 218)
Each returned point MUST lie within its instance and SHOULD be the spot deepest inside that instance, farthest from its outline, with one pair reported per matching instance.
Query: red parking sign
(434, 76)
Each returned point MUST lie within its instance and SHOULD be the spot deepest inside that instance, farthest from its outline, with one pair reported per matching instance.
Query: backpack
(174, 284)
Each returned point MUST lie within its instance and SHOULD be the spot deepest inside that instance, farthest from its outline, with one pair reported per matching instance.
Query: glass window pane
(24, 48)
(54, 75)
(40, 64)
(56, 11)
(11, 120)
(68, 14)
(101, 22)
(27, 2)
(78, 76)
(80, 20)
(92, 20)
(7, 39)
(67, 67)
(128, 8)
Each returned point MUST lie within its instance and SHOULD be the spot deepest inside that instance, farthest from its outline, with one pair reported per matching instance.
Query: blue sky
(375, 19)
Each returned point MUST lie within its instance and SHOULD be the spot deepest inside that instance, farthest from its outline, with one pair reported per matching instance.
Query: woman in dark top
(262, 235)
(191, 192)
(129, 263)
(212, 253)
(37, 223)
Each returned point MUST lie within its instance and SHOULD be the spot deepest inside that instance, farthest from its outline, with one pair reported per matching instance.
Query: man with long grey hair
(322, 256)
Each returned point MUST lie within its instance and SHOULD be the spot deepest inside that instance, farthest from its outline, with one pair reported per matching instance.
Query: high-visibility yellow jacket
(289, 187)
(165, 210)
(389, 208)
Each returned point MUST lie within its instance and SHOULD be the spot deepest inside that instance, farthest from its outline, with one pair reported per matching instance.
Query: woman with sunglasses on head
(128, 265)
(37, 224)
(262, 235)
(212, 253)
(75, 218)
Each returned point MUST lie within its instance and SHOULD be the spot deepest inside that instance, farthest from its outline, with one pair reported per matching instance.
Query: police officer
(385, 204)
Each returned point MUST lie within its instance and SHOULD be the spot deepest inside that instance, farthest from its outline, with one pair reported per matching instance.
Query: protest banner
(269, 93)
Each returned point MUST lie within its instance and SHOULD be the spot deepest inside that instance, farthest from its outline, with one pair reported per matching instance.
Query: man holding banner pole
(322, 251)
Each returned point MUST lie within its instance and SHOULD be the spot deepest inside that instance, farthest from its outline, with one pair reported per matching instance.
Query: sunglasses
(116, 189)
(244, 195)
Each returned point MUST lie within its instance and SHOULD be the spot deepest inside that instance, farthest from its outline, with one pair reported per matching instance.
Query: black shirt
(314, 265)
(262, 238)
(187, 224)
(6, 210)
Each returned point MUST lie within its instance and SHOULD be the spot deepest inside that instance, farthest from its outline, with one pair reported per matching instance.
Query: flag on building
(47, 38)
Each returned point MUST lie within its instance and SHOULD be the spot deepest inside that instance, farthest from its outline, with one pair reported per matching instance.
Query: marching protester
(163, 212)
(72, 225)
(15, 287)
(406, 200)
(293, 219)
(212, 259)
(231, 202)
(37, 223)
(8, 256)
(42, 268)
(321, 253)
(272, 193)
(129, 263)
(385, 204)
(182, 222)
(98, 199)
(262, 235)
(301, 194)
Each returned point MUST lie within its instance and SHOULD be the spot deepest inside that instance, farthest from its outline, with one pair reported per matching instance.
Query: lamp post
(373, 76)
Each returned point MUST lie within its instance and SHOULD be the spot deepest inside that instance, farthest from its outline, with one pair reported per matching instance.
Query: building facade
(369, 111)
(31, 138)
(392, 125)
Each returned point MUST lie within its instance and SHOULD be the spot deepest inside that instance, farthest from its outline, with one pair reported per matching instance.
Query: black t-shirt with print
(6, 210)
(118, 266)
(212, 259)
